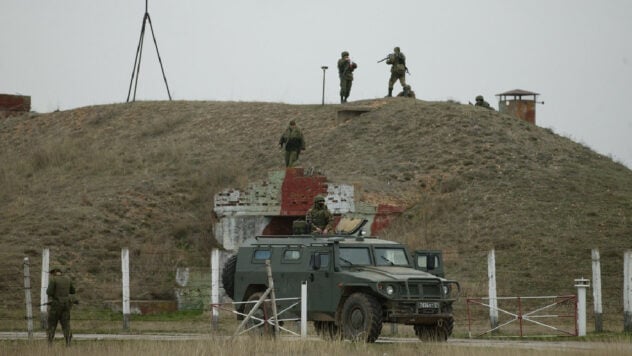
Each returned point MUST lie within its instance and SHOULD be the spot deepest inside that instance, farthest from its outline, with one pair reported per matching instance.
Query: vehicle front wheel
(361, 318)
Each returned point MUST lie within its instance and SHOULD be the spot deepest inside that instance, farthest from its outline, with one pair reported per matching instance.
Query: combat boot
(390, 93)
(342, 99)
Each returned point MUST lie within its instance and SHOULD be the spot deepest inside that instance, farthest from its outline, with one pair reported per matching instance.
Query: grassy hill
(89, 181)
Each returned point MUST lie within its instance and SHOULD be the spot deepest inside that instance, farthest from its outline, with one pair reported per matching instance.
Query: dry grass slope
(88, 181)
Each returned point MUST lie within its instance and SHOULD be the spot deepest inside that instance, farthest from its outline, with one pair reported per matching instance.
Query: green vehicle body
(354, 284)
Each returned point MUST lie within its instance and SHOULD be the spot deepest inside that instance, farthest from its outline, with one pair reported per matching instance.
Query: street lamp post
(324, 68)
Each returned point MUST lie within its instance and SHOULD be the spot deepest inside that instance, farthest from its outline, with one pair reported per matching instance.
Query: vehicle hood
(387, 273)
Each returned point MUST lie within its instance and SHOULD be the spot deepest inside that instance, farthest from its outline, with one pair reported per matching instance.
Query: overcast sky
(577, 54)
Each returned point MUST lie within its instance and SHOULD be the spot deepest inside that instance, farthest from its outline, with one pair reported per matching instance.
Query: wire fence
(165, 292)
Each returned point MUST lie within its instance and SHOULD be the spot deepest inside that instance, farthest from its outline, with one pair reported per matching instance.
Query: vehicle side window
(291, 256)
(324, 260)
(261, 255)
(422, 261)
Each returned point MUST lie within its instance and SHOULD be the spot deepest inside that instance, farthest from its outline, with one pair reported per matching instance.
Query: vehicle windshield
(391, 256)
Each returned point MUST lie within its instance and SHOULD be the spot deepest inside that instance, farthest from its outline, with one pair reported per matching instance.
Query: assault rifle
(383, 59)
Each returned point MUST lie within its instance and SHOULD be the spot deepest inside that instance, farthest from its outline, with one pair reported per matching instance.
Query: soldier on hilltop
(397, 60)
(345, 72)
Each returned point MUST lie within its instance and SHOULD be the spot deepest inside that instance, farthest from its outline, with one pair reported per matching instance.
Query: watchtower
(519, 103)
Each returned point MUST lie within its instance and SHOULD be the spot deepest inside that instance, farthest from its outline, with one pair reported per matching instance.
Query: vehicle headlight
(389, 290)
(446, 290)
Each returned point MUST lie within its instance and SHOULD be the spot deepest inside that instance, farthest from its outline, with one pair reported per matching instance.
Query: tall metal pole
(324, 68)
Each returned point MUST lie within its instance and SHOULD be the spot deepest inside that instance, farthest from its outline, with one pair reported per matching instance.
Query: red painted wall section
(298, 191)
(383, 217)
(14, 104)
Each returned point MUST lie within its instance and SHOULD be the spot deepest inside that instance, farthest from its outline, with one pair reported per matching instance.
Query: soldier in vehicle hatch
(319, 217)
(294, 143)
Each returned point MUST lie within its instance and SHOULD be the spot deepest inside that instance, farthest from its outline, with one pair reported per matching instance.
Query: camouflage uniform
(480, 101)
(294, 143)
(345, 73)
(60, 289)
(319, 217)
(407, 93)
(397, 60)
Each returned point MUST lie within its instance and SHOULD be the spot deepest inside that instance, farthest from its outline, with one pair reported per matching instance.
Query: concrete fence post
(126, 297)
(27, 297)
(214, 289)
(596, 276)
(581, 284)
(627, 291)
(493, 301)
(304, 309)
(43, 295)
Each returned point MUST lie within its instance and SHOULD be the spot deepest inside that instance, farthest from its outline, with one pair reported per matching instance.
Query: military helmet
(479, 98)
(292, 122)
(396, 49)
(54, 269)
(319, 198)
(344, 54)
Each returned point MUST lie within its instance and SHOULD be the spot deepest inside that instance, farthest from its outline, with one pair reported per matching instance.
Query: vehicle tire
(228, 276)
(361, 318)
(327, 330)
(259, 326)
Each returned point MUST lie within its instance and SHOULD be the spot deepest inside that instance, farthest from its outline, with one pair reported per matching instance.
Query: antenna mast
(139, 54)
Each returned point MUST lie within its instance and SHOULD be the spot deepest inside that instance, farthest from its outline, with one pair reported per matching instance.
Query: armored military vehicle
(354, 283)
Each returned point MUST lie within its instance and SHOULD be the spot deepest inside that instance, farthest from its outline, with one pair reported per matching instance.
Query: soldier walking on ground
(319, 217)
(407, 92)
(294, 143)
(345, 72)
(61, 292)
(397, 60)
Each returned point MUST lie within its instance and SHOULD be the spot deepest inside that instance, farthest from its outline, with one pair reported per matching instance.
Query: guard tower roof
(517, 92)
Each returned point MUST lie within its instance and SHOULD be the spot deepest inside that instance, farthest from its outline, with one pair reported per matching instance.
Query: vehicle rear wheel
(228, 276)
(258, 324)
(361, 318)
(328, 330)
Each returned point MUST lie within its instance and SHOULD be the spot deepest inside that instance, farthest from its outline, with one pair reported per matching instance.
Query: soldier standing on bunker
(345, 72)
(294, 143)
(319, 217)
(480, 101)
(407, 92)
(60, 289)
(397, 60)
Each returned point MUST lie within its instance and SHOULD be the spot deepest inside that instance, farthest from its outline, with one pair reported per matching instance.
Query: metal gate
(524, 316)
